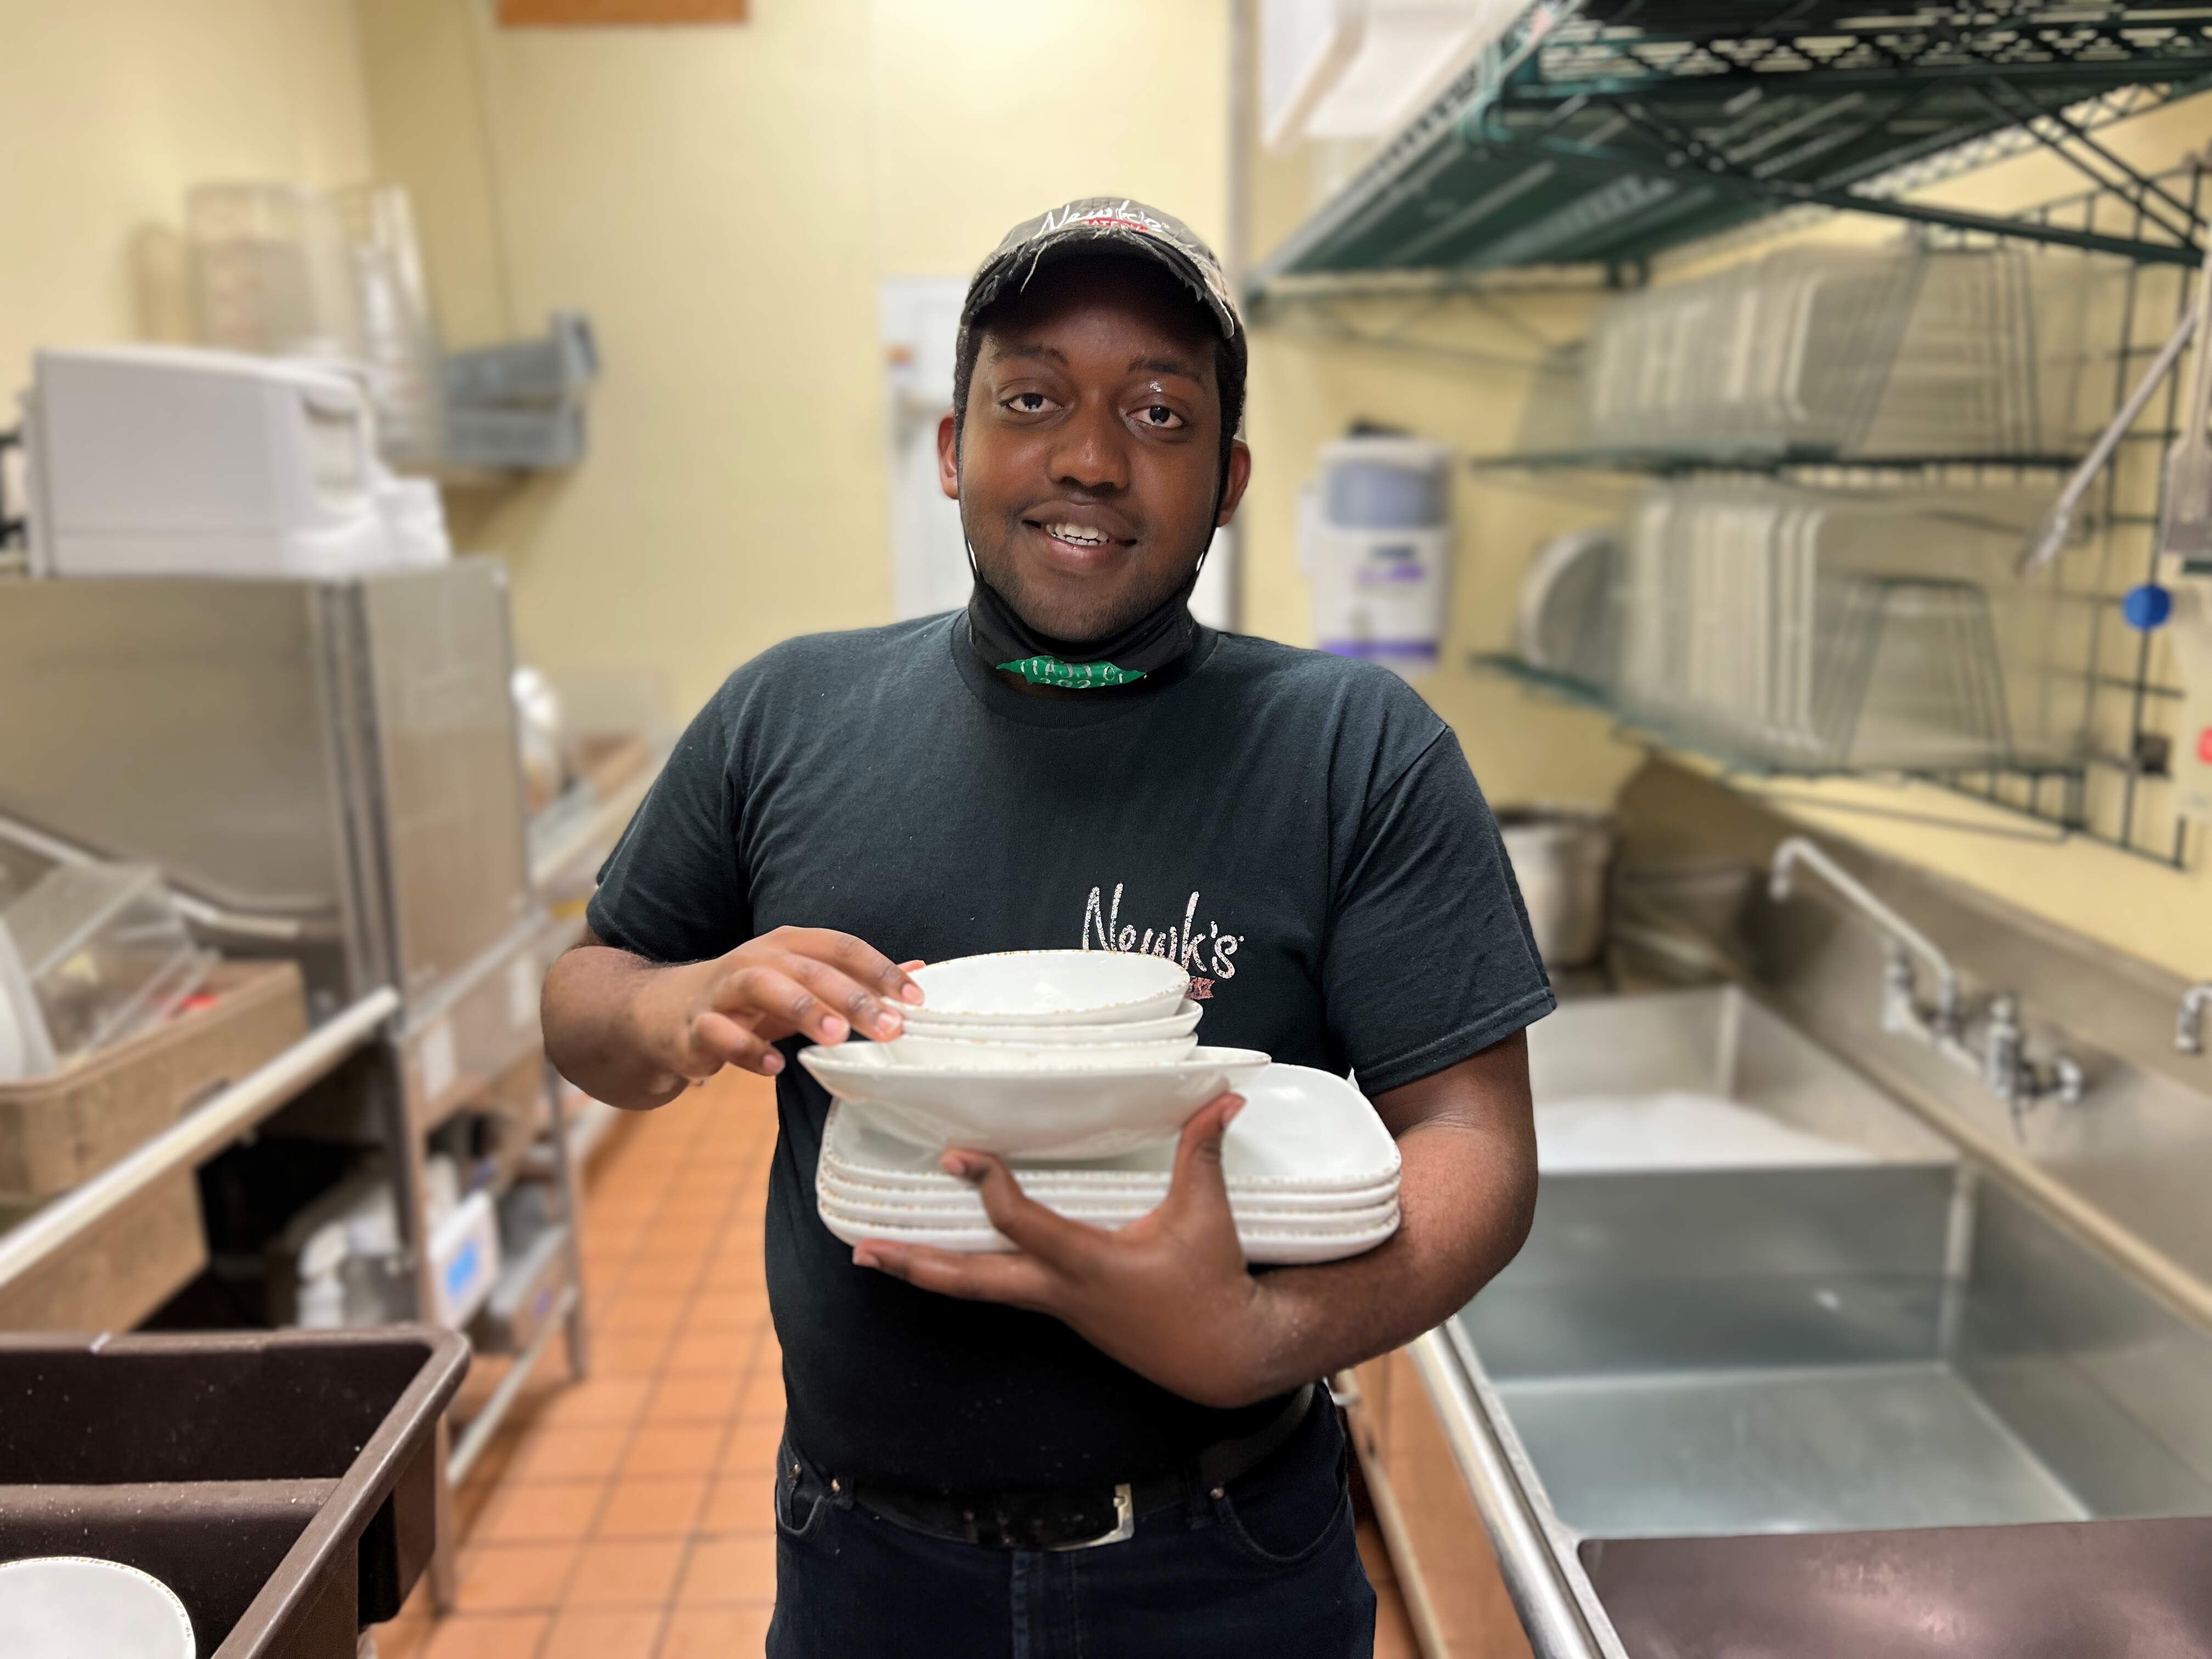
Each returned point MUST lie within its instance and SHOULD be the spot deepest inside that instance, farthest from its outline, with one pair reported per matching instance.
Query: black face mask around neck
(1003, 640)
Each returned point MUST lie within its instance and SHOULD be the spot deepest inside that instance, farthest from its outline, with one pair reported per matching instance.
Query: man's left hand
(1167, 1295)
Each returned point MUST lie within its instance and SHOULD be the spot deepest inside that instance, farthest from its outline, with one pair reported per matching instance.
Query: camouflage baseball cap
(1103, 224)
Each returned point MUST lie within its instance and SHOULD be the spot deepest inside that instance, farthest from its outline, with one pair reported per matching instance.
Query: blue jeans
(1269, 1570)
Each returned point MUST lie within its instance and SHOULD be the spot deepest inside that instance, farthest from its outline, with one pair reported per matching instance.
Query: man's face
(1087, 469)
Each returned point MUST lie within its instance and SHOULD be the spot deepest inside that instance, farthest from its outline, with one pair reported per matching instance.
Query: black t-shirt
(1300, 829)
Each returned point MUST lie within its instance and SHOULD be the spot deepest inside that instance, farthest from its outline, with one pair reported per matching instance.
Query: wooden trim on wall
(617, 14)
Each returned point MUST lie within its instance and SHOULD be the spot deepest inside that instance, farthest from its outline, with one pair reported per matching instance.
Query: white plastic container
(1376, 544)
(465, 1260)
(89, 954)
(72, 1606)
(168, 460)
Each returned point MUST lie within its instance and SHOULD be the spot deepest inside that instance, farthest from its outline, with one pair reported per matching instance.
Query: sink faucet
(2189, 1024)
(2002, 1064)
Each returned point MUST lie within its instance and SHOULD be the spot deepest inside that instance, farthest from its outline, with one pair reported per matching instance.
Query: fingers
(856, 959)
(1197, 1187)
(719, 1038)
(1051, 1237)
(795, 994)
(1018, 1280)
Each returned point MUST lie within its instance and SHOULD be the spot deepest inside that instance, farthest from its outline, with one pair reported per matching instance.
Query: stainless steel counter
(1695, 1386)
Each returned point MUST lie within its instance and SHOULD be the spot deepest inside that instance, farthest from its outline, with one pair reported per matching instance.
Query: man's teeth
(1077, 535)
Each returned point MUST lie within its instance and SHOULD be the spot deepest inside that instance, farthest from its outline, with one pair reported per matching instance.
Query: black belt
(1077, 1517)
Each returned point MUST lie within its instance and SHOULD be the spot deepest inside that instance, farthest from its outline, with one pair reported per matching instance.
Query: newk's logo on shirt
(1205, 956)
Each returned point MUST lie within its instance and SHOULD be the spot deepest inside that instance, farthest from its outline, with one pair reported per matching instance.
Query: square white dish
(889, 1208)
(1301, 1131)
(1274, 1248)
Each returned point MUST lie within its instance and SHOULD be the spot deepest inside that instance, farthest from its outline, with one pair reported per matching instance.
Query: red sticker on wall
(2204, 746)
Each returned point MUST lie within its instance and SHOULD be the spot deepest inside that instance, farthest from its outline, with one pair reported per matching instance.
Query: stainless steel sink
(1720, 1395)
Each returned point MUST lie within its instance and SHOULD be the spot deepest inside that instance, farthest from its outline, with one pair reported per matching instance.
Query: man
(1105, 1443)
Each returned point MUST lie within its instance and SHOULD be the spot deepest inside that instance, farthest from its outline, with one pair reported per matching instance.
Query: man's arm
(636, 1034)
(1169, 1295)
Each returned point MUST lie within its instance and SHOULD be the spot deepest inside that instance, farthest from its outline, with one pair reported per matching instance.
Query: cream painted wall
(112, 111)
(723, 202)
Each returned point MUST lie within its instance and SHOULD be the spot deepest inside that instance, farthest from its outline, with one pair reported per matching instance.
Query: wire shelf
(2118, 790)
(1605, 131)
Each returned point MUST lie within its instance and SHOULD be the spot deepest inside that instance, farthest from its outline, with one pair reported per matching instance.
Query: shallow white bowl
(1044, 1113)
(70, 1607)
(1006, 1054)
(1260, 1243)
(1181, 1023)
(1050, 987)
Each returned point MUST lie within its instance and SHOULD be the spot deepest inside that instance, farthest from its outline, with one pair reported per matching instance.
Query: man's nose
(1091, 453)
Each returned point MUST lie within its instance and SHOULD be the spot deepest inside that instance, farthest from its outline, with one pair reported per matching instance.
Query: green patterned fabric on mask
(1069, 676)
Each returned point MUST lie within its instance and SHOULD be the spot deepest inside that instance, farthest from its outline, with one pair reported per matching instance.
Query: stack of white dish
(1312, 1176)
(1081, 1067)
(1064, 1054)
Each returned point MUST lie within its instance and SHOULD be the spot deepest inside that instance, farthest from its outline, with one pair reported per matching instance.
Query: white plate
(1301, 1130)
(1059, 1114)
(911, 1209)
(1008, 1054)
(1276, 1248)
(1050, 987)
(1181, 1023)
(1052, 1186)
(72, 1606)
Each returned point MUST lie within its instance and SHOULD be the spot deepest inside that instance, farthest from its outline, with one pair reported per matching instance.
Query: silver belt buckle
(1125, 1524)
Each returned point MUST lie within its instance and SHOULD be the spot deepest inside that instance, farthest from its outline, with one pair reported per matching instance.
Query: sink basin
(1876, 1393)
(2109, 1587)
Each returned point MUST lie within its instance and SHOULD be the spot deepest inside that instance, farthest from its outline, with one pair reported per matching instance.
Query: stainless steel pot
(1559, 855)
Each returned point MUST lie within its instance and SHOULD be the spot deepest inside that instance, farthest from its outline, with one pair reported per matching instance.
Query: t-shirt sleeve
(674, 888)
(1430, 956)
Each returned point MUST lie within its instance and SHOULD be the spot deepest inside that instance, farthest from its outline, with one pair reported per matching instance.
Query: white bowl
(1041, 1112)
(1008, 1054)
(68, 1607)
(1050, 987)
(1181, 1023)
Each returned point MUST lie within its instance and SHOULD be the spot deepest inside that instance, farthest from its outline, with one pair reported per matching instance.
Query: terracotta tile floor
(628, 1516)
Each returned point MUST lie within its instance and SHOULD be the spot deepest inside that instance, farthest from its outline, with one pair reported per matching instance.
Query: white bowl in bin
(1050, 987)
(73, 1606)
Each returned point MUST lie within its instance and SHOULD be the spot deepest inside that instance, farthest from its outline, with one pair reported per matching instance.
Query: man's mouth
(1076, 535)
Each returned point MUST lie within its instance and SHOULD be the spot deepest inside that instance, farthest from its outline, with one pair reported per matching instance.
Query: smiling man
(1101, 1443)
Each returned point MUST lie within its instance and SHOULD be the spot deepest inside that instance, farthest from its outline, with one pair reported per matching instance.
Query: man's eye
(1028, 402)
(1160, 417)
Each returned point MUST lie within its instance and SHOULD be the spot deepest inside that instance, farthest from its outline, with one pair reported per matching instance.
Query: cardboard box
(120, 1272)
(57, 1131)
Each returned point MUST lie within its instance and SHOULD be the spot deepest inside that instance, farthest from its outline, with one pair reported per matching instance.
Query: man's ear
(948, 455)
(1240, 474)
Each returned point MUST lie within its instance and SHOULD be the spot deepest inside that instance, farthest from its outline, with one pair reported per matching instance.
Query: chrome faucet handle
(2189, 1023)
(2018, 1081)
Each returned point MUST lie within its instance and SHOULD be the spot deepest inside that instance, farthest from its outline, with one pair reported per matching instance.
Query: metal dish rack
(2120, 794)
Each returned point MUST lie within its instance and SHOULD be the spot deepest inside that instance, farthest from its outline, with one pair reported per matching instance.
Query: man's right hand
(636, 1034)
(807, 982)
